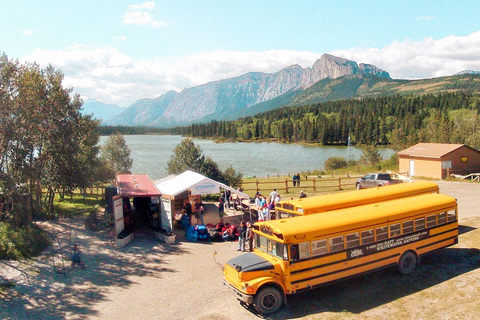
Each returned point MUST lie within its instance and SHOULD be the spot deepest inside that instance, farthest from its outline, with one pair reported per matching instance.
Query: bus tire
(407, 262)
(268, 300)
(358, 186)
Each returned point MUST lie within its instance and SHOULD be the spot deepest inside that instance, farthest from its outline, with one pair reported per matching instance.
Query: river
(150, 154)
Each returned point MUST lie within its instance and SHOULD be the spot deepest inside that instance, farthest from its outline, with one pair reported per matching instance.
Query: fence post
(257, 185)
(314, 184)
(286, 185)
(339, 183)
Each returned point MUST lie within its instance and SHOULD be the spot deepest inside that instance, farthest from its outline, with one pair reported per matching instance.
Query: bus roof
(322, 203)
(358, 217)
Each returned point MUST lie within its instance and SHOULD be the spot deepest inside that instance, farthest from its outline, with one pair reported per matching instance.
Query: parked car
(373, 180)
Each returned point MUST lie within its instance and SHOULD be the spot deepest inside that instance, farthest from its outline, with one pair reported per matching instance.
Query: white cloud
(421, 59)
(27, 33)
(106, 74)
(112, 77)
(140, 15)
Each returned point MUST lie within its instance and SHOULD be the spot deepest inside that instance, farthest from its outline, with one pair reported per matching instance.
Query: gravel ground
(153, 280)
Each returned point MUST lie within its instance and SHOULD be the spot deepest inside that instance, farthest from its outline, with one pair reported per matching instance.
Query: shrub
(21, 242)
(335, 163)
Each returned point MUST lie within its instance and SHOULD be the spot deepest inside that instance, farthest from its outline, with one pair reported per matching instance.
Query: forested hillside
(399, 121)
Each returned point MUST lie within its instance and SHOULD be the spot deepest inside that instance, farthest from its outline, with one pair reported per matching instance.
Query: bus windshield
(272, 247)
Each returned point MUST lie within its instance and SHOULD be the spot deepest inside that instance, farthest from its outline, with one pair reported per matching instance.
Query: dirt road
(152, 280)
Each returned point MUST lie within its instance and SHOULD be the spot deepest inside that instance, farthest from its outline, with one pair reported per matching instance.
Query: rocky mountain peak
(333, 67)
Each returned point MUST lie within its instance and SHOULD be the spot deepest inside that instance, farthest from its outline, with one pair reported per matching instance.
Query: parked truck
(373, 180)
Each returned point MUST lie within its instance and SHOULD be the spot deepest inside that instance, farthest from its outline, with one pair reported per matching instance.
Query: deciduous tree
(186, 156)
(45, 141)
(116, 155)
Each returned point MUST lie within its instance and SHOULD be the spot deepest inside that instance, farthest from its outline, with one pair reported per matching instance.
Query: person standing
(298, 179)
(277, 199)
(187, 209)
(263, 202)
(221, 209)
(258, 203)
(242, 232)
(273, 195)
(198, 211)
(228, 195)
(266, 213)
(249, 236)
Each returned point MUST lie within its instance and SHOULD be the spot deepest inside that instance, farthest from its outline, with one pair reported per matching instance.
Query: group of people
(265, 205)
(244, 232)
(296, 180)
(197, 209)
(245, 235)
(229, 232)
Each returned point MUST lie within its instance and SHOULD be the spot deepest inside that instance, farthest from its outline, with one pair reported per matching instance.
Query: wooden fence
(313, 183)
(94, 192)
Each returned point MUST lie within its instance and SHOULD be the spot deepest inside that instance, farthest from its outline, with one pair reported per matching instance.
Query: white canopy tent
(191, 182)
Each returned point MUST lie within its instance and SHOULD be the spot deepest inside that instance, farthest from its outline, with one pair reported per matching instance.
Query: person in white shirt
(273, 195)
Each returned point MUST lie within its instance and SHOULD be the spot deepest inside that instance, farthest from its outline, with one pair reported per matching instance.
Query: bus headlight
(246, 288)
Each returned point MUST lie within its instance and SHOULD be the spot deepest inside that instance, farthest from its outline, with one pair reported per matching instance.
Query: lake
(150, 154)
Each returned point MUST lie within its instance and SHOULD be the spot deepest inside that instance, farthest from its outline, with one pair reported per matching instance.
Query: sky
(120, 51)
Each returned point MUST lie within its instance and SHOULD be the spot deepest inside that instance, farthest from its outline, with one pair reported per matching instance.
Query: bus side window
(451, 216)
(319, 247)
(367, 237)
(442, 218)
(408, 226)
(394, 230)
(336, 244)
(353, 240)
(381, 233)
(419, 224)
(431, 221)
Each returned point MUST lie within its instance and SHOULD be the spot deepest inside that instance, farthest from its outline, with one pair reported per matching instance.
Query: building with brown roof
(438, 160)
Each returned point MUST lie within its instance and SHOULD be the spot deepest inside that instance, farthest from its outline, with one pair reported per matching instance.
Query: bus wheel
(407, 262)
(358, 186)
(268, 300)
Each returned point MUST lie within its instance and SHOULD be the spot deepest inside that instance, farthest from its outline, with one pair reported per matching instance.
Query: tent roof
(184, 181)
(136, 185)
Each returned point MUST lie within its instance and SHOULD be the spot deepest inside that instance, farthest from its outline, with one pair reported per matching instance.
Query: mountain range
(330, 78)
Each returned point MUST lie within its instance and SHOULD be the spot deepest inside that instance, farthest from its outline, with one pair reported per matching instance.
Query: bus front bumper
(247, 298)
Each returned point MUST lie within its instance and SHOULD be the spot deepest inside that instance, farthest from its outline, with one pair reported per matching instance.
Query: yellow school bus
(294, 255)
(322, 203)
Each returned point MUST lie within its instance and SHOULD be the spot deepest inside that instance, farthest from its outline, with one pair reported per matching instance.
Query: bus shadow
(465, 229)
(377, 288)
